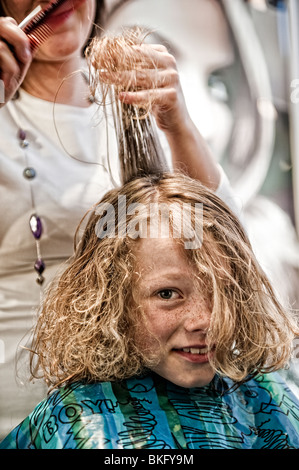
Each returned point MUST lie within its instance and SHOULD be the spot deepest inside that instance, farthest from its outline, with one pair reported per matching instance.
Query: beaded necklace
(29, 173)
(35, 222)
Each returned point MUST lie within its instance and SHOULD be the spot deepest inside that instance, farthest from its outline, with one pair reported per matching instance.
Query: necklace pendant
(39, 267)
(24, 144)
(29, 173)
(22, 134)
(40, 280)
(22, 137)
(36, 226)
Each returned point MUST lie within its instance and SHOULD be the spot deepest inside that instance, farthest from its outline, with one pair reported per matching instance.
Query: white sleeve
(226, 193)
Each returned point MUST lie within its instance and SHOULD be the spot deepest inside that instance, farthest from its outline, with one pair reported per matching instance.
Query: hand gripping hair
(117, 66)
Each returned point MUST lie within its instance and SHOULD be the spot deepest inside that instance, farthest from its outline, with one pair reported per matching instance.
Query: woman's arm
(160, 85)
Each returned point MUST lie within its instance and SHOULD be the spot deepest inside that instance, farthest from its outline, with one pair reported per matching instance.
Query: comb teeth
(39, 35)
(42, 26)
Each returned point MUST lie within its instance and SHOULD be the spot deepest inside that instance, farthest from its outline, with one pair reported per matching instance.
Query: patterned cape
(151, 413)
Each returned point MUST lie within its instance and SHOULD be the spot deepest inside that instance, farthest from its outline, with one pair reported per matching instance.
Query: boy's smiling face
(177, 313)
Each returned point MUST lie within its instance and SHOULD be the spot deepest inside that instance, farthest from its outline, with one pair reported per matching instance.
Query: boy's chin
(189, 380)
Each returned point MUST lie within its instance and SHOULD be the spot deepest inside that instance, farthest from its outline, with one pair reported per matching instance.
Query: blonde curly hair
(87, 326)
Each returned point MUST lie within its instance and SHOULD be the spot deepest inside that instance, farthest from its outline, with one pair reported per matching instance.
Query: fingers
(150, 67)
(166, 104)
(15, 55)
(15, 38)
(149, 79)
(136, 56)
(155, 54)
(163, 97)
(141, 79)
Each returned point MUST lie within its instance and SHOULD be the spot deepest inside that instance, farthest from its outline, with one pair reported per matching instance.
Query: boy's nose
(198, 317)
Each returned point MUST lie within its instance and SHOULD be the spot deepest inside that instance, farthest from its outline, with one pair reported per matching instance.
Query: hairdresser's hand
(158, 84)
(15, 57)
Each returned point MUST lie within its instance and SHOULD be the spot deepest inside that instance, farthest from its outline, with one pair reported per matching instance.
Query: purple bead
(36, 226)
(22, 134)
(22, 137)
(39, 266)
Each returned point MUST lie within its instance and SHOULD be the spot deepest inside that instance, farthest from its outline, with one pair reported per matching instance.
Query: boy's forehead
(166, 257)
(155, 254)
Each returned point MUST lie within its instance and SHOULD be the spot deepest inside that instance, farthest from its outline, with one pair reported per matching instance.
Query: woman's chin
(60, 47)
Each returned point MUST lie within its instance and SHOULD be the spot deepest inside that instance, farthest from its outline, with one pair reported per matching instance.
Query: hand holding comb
(39, 25)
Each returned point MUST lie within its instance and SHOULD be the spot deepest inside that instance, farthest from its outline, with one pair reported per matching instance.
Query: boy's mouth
(197, 350)
(197, 353)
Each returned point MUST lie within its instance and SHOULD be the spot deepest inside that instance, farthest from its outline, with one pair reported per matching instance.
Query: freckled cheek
(155, 328)
(161, 324)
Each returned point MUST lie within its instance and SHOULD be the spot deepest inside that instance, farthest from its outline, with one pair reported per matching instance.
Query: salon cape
(152, 413)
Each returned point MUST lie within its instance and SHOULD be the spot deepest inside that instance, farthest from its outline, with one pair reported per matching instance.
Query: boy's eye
(168, 294)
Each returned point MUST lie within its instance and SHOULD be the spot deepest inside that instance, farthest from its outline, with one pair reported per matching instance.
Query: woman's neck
(60, 82)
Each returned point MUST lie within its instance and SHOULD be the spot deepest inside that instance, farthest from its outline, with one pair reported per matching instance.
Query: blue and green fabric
(151, 413)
